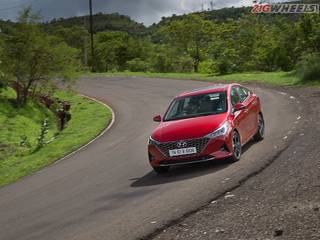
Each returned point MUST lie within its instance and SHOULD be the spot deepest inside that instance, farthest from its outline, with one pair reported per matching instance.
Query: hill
(103, 22)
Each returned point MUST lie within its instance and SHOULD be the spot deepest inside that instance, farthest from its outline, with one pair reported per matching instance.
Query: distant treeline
(214, 42)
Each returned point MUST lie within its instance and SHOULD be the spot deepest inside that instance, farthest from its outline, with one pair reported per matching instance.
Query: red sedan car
(204, 125)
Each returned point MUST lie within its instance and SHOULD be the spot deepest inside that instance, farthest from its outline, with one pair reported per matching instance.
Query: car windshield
(196, 106)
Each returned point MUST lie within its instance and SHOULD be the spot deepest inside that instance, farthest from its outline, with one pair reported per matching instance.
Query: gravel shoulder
(281, 202)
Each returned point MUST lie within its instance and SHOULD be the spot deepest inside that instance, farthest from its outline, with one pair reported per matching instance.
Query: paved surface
(108, 191)
(282, 202)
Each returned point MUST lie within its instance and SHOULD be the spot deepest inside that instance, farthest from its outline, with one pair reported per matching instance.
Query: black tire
(161, 170)
(236, 147)
(261, 128)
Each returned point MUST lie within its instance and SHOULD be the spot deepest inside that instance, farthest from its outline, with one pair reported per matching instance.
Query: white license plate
(182, 151)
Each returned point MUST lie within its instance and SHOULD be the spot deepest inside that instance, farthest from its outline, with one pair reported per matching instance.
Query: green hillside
(103, 22)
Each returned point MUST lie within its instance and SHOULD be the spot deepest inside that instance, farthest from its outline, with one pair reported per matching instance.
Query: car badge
(182, 144)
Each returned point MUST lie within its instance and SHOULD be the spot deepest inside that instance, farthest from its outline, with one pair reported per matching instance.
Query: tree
(33, 58)
(190, 36)
(309, 32)
(115, 49)
(3, 79)
(75, 36)
(308, 68)
(224, 49)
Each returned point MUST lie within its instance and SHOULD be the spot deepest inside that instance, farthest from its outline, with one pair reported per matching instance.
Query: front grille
(198, 143)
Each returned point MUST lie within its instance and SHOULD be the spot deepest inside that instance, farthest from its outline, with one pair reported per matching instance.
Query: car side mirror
(157, 118)
(239, 106)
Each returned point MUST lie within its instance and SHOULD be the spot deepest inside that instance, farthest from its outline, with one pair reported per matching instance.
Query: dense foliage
(309, 67)
(32, 59)
(102, 22)
(215, 42)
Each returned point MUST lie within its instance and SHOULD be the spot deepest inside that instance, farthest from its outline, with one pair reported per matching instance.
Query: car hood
(188, 128)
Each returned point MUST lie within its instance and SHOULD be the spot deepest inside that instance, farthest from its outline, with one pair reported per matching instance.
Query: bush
(224, 65)
(3, 80)
(138, 65)
(162, 63)
(183, 64)
(308, 68)
(207, 66)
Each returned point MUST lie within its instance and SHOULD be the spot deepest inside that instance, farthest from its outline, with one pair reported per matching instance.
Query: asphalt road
(108, 191)
(282, 202)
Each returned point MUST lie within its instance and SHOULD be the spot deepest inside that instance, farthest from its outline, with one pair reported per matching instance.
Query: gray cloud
(146, 11)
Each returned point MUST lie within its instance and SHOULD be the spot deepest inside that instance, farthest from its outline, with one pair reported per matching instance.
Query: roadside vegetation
(38, 122)
(217, 43)
(273, 78)
(193, 44)
(21, 132)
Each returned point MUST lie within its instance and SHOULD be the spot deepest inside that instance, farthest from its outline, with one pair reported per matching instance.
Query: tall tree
(33, 58)
(3, 79)
(114, 49)
(191, 36)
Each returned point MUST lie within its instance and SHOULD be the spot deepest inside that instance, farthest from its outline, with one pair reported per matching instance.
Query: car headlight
(153, 142)
(221, 131)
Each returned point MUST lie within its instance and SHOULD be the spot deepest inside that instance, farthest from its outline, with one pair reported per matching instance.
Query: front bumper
(215, 149)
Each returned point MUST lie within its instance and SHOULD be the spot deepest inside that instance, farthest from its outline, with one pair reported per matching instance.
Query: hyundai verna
(206, 124)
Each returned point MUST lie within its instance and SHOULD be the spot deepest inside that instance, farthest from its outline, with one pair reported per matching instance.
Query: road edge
(104, 131)
(55, 162)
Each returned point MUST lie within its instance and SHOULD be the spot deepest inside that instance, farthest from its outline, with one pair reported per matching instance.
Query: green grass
(274, 78)
(88, 120)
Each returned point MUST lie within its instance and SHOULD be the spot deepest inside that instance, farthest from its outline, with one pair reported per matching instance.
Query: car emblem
(182, 144)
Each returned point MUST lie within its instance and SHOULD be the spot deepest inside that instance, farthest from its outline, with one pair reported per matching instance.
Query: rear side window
(243, 94)
(247, 91)
(235, 98)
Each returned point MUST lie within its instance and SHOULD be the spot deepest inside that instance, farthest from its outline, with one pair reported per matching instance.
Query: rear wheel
(236, 147)
(260, 132)
(161, 170)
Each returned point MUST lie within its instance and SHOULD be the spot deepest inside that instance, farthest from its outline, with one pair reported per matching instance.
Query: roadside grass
(273, 78)
(88, 120)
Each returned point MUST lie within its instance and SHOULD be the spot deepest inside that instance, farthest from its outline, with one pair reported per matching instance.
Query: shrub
(162, 63)
(43, 132)
(207, 66)
(308, 68)
(138, 65)
(3, 80)
(183, 64)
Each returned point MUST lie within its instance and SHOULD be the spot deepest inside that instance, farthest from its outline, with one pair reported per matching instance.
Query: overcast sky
(144, 11)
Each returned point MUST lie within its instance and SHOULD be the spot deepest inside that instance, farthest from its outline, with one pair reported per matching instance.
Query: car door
(240, 117)
(249, 100)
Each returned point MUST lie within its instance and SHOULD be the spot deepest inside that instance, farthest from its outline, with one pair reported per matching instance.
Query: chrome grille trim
(199, 143)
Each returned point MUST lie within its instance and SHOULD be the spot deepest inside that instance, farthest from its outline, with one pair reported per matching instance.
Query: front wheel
(236, 147)
(260, 131)
(161, 170)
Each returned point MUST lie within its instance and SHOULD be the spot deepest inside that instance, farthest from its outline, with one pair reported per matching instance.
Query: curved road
(108, 191)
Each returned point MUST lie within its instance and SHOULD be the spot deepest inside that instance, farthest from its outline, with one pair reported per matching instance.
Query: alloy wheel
(236, 145)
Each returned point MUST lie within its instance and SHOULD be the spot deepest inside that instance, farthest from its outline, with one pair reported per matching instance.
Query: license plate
(182, 151)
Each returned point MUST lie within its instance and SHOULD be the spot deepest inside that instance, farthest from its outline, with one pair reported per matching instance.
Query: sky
(142, 11)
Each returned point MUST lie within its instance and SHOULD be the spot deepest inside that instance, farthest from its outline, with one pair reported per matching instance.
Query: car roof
(206, 90)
